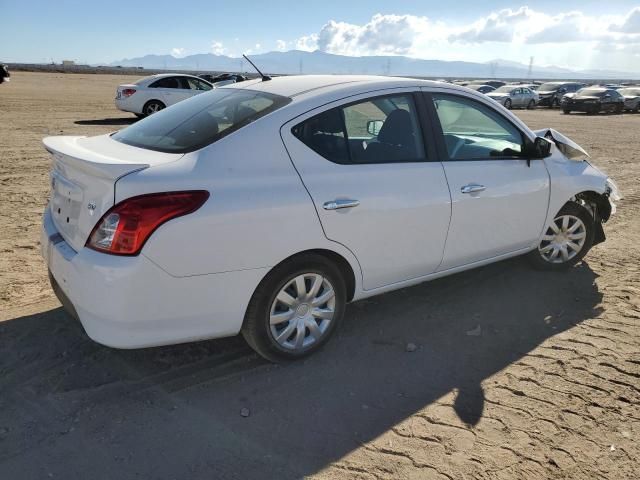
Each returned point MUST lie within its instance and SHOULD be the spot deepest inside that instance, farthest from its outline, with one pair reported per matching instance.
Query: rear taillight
(125, 228)
(127, 92)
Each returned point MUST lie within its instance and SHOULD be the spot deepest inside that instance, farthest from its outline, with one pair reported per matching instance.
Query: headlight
(612, 190)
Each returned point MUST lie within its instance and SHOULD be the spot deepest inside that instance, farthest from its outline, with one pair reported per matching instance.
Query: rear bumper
(128, 105)
(129, 302)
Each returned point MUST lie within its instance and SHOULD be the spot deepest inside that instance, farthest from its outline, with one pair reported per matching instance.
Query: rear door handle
(473, 188)
(338, 204)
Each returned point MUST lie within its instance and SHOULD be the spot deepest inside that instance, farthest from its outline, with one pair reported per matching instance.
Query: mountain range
(298, 61)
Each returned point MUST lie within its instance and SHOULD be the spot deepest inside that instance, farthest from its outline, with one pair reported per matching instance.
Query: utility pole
(530, 72)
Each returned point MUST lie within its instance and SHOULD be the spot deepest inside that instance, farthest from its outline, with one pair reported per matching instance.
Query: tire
(566, 111)
(507, 104)
(153, 106)
(578, 230)
(532, 105)
(292, 321)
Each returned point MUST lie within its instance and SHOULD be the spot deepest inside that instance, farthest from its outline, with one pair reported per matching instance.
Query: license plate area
(66, 199)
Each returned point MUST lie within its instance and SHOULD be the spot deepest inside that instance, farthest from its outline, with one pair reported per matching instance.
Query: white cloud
(308, 43)
(631, 23)
(500, 26)
(258, 46)
(417, 36)
(217, 48)
(178, 52)
(281, 45)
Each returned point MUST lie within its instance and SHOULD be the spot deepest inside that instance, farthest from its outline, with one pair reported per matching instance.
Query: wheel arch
(337, 259)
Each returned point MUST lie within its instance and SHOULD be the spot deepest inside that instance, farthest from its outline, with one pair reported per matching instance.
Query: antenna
(264, 77)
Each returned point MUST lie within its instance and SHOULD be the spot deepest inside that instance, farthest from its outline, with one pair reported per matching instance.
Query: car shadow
(215, 409)
(108, 121)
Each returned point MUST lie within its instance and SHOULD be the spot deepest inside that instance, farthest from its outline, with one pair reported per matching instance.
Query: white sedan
(156, 92)
(265, 206)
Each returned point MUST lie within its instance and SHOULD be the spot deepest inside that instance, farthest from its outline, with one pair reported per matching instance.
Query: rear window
(200, 121)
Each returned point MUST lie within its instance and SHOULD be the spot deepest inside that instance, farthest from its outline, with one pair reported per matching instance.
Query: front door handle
(338, 204)
(473, 188)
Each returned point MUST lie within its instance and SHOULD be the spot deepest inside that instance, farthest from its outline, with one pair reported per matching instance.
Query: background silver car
(631, 98)
(514, 96)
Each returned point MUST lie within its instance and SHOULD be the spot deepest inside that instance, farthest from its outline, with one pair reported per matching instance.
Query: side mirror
(540, 148)
(374, 127)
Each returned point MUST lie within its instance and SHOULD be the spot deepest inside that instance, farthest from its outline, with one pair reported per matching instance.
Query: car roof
(296, 85)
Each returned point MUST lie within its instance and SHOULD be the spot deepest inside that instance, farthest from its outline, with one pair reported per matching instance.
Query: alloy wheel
(302, 311)
(563, 240)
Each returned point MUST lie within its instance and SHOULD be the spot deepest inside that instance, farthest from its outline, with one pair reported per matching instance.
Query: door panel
(398, 229)
(499, 200)
(506, 216)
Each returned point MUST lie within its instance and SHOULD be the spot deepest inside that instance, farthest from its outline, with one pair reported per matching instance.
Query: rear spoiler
(70, 150)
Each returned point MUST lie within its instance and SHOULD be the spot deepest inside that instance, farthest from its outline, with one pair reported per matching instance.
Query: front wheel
(296, 308)
(507, 104)
(532, 104)
(567, 240)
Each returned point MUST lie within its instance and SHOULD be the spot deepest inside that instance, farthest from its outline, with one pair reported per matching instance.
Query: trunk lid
(83, 176)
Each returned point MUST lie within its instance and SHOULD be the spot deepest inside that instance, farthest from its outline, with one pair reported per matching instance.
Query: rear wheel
(566, 111)
(532, 104)
(153, 106)
(566, 241)
(507, 104)
(296, 308)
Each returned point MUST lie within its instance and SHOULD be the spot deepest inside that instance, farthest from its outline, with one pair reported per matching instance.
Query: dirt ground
(550, 388)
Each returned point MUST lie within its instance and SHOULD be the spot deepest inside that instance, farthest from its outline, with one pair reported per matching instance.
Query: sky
(565, 33)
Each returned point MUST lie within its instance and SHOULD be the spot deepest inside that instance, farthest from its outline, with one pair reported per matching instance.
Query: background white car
(156, 92)
(265, 207)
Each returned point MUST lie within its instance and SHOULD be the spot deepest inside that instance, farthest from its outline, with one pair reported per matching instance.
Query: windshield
(549, 87)
(200, 121)
(630, 92)
(505, 89)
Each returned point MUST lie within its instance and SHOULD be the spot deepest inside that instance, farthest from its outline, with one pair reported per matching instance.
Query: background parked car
(493, 83)
(151, 94)
(551, 92)
(631, 98)
(223, 79)
(482, 88)
(4, 73)
(514, 96)
(594, 100)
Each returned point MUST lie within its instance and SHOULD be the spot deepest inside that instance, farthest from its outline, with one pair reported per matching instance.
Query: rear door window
(166, 82)
(378, 130)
